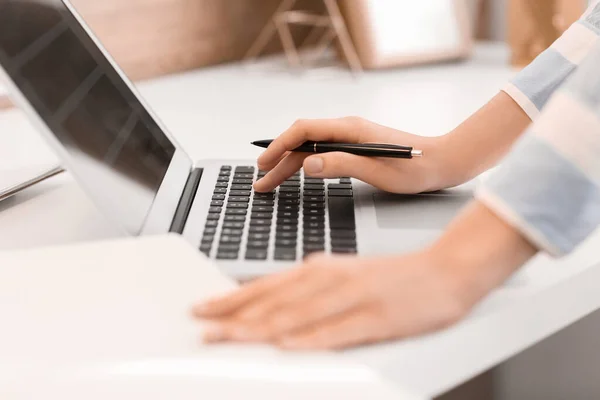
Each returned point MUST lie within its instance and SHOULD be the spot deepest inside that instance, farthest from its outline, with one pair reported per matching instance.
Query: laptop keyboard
(300, 217)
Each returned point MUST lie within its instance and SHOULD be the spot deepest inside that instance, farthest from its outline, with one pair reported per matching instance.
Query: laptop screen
(112, 142)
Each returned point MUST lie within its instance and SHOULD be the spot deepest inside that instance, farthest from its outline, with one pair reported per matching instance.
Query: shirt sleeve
(549, 185)
(533, 87)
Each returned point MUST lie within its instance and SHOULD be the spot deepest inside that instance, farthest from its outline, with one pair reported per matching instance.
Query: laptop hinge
(186, 200)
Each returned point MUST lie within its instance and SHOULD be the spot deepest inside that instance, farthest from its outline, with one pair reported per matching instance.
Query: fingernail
(313, 165)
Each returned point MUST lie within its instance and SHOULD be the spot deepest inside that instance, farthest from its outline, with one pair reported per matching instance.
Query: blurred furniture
(408, 32)
(233, 109)
(326, 28)
(149, 38)
(535, 24)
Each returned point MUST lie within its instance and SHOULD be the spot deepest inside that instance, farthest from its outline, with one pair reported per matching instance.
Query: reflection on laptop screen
(112, 142)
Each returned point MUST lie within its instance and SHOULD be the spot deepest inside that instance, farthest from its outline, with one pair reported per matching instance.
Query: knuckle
(353, 120)
(299, 124)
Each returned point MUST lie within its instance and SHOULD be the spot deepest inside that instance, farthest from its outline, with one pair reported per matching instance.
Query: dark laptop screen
(109, 136)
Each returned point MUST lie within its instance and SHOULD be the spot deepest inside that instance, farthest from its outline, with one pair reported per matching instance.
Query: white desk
(226, 107)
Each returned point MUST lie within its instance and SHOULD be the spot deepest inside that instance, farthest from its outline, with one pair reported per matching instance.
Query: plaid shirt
(549, 185)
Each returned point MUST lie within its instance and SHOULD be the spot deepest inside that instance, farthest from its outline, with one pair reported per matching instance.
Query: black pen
(359, 149)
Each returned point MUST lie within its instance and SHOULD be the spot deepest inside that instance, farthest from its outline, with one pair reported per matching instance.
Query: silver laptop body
(145, 183)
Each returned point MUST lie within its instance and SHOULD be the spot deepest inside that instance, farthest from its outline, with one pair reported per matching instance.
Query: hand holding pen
(348, 147)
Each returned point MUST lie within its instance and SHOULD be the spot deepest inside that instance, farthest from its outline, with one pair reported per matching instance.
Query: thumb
(336, 164)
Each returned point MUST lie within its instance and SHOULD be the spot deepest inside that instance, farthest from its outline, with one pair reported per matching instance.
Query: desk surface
(227, 107)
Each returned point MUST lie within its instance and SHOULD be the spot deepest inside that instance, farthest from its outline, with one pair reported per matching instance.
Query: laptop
(145, 182)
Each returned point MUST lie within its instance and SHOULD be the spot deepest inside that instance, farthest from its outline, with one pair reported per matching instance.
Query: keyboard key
(314, 205)
(288, 201)
(218, 197)
(259, 229)
(262, 208)
(225, 173)
(289, 195)
(231, 232)
(227, 255)
(314, 199)
(339, 186)
(314, 232)
(345, 180)
(223, 179)
(314, 192)
(260, 222)
(281, 243)
(213, 216)
(221, 184)
(215, 209)
(260, 215)
(313, 187)
(256, 254)
(314, 211)
(288, 207)
(236, 211)
(286, 235)
(210, 231)
(239, 199)
(343, 234)
(289, 189)
(230, 239)
(314, 247)
(262, 202)
(282, 254)
(337, 242)
(226, 168)
(314, 218)
(258, 236)
(216, 203)
(231, 204)
(287, 214)
(220, 191)
(208, 238)
(233, 224)
(243, 176)
(293, 178)
(257, 244)
(314, 239)
(340, 193)
(235, 218)
(244, 193)
(269, 195)
(229, 247)
(244, 169)
(314, 225)
(341, 212)
(290, 184)
(205, 248)
(287, 228)
(242, 181)
(241, 187)
(287, 221)
(212, 223)
(342, 250)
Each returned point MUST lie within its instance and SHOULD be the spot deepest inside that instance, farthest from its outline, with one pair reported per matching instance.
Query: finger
(301, 315)
(342, 129)
(230, 303)
(350, 329)
(286, 168)
(336, 164)
(313, 282)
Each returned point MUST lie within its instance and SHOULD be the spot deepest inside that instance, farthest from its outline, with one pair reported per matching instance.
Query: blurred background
(391, 43)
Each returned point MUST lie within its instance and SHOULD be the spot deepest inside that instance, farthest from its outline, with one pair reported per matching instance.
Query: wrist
(479, 251)
(433, 164)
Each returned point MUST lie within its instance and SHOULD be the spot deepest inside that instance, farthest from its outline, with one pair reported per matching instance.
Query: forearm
(481, 141)
(480, 251)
